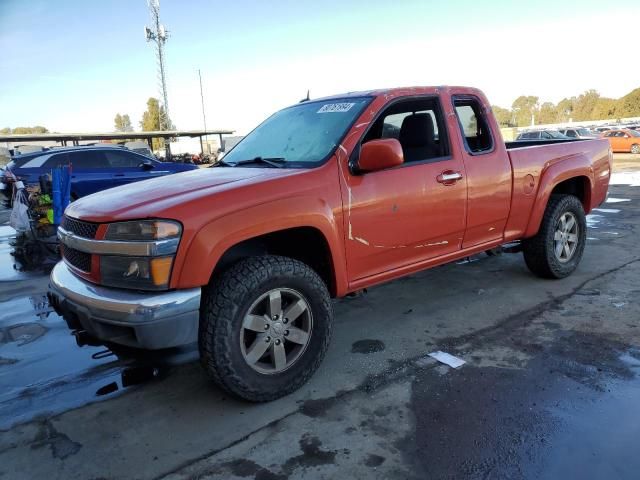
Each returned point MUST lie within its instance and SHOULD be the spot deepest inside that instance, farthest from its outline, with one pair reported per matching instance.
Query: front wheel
(265, 326)
(635, 148)
(556, 250)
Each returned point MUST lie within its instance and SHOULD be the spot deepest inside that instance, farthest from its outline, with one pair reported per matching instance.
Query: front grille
(80, 260)
(80, 228)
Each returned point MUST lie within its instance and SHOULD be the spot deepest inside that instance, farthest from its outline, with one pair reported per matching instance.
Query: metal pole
(204, 117)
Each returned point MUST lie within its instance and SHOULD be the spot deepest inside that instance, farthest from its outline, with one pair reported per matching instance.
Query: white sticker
(335, 107)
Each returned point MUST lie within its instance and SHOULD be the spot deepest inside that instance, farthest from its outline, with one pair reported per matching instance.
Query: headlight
(143, 230)
(145, 256)
(144, 273)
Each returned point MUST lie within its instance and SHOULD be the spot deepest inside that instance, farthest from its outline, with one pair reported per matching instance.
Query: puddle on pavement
(569, 413)
(42, 370)
(367, 346)
(41, 367)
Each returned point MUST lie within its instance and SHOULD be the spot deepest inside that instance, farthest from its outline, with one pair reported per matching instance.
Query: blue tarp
(61, 189)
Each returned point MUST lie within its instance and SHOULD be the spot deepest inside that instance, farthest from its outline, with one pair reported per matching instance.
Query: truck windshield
(299, 136)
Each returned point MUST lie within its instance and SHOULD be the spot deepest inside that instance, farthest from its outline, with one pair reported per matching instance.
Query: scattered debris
(447, 359)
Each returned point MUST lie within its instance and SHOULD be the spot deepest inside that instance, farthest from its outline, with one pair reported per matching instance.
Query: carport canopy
(63, 138)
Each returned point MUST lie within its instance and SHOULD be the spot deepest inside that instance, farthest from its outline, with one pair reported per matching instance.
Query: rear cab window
(473, 125)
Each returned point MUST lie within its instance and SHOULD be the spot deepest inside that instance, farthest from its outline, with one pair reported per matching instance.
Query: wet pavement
(550, 388)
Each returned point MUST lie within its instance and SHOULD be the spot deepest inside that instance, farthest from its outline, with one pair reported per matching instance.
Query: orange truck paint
(377, 226)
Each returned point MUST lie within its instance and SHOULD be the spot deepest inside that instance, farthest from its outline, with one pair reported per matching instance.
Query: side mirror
(146, 165)
(380, 154)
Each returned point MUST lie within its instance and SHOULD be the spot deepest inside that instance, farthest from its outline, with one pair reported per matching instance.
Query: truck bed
(533, 161)
(534, 143)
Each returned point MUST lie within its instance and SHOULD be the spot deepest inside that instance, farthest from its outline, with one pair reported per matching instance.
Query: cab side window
(419, 127)
(473, 124)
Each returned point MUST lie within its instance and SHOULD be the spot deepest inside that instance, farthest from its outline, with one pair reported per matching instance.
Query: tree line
(151, 120)
(589, 105)
(23, 130)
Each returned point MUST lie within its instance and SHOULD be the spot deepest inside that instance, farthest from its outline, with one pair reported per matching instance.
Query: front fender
(557, 172)
(195, 266)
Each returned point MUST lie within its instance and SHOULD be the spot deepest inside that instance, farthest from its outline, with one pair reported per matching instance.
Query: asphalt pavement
(550, 386)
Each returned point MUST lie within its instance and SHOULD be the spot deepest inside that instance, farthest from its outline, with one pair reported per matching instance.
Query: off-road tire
(224, 304)
(538, 250)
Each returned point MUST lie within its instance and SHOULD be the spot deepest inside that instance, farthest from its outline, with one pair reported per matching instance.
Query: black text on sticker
(336, 107)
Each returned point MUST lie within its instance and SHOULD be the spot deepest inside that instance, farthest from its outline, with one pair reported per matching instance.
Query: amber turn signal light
(161, 270)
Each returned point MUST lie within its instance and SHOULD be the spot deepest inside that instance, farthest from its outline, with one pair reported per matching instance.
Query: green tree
(27, 130)
(629, 105)
(584, 104)
(604, 109)
(151, 121)
(565, 109)
(5, 131)
(548, 113)
(524, 108)
(122, 123)
(503, 116)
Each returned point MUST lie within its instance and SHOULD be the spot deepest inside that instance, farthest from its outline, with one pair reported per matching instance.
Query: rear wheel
(635, 148)
(557, 248)
(265, 325)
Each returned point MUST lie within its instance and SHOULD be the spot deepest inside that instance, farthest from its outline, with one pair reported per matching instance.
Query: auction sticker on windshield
(335, 107)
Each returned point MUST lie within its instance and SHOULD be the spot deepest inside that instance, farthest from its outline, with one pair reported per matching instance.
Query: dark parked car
(541, 135)
(578, 132)
(93, 168)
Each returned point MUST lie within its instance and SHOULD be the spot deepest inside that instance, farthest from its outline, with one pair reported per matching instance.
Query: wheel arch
(303, 228)
(306, 244)
(557, 179)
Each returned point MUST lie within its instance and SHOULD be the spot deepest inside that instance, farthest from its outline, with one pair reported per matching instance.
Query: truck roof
(399, 91)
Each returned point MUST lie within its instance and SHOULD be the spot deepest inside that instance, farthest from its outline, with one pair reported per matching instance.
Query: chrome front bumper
(147, 320)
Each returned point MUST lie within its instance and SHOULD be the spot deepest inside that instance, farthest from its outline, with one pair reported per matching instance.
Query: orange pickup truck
(324, 198)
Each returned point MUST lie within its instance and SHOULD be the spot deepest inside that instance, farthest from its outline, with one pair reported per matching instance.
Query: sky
(71, 65)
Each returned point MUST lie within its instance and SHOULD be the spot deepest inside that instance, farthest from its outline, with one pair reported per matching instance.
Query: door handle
(449, 177)
(118, 174)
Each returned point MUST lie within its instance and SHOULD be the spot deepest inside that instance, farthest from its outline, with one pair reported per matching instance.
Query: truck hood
(152, 197)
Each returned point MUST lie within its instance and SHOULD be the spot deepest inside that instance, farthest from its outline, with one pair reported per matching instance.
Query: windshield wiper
(277, 162)
(222, 163)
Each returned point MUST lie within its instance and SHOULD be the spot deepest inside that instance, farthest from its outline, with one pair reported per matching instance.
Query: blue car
(93, 168)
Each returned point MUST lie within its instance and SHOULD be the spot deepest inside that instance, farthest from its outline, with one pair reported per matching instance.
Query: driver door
(405, 214)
